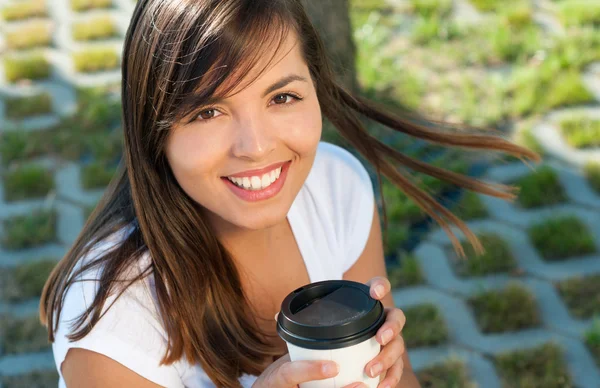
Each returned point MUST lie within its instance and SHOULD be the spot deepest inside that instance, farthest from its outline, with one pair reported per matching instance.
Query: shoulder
(129, 331)
(336, 165)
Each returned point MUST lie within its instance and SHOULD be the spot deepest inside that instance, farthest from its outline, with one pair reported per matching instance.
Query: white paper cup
(333, 320)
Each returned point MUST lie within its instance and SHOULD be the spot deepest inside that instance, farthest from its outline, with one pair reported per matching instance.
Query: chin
(261, 220)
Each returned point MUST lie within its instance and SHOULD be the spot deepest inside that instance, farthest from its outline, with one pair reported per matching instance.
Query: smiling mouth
(256, 182)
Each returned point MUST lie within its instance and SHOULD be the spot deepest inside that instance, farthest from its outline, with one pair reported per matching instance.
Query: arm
(85, 368)
(371, 264)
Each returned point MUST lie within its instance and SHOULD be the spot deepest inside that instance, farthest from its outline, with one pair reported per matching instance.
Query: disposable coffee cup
(333, 320)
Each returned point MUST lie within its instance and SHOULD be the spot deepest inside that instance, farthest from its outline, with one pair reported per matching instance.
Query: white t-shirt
(331, 219)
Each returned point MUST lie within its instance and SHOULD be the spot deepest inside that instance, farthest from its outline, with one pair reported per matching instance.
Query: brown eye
(280, 98)
(207, 117)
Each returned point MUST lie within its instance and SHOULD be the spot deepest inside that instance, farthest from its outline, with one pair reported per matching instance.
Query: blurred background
(525, 314)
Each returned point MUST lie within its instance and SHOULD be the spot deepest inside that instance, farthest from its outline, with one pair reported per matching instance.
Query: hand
(389, 359)
(284, 373)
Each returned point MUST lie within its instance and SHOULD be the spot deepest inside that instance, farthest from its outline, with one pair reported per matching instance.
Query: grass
(26, 281)
(24, 10)
(497, 257)
(31, 230)
(84, 5)
(99, 27)
(592, 340)
(400, 208)
(470, 207)
(492, 5)
(432, 8)
(581, 295)
(23, 335)
(562, 237)
(22, 107)
(397, 234)
(425, 326)
(96, 59)
(450, 374)
(35, 379)
(592, 174)
(509, 309)
(31, 66)
(542, 366)
(33, 34)
(28, 181)
(96, 175)
(541, 188)
(408, 273)
(581, 131)
(534, 90)
(19, 145)
(573, 13)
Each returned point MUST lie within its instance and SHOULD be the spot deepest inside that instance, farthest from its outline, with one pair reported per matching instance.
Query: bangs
(217, 65)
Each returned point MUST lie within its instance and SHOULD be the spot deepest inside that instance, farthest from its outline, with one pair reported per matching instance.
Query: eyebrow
(283, 82)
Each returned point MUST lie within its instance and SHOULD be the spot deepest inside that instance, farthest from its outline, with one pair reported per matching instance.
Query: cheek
(303, 132)
(190, 157)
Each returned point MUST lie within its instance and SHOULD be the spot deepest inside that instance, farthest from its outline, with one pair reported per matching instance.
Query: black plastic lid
(331, 314)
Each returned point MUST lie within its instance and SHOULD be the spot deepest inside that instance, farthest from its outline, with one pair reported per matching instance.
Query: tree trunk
(332, 20)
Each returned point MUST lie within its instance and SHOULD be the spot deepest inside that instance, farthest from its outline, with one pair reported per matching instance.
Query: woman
(227, 201)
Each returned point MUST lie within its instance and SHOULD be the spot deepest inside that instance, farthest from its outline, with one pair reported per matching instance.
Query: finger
(388, 356)
(297, 372)
(356, 385)
(393, 375)
(379, 287)
(394, 323)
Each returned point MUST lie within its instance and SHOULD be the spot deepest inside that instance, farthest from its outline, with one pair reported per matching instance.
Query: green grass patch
(432, 8)
(31, 230)
(99, 27)
(35, 379)
(496, 259)
(577, 13)
(22, 107)
(20, 145)
(449, 374)
(592, 340)
(96, 175)
(33, 34)
(581, 295)
(537, 90)
(24, 10)
(509, 309)
(592, 174)
(470, 207)
(399, 207)
(425, 326)
(32, 66)
(84, 5)
(397, 234)
(28, 181)
(493, 5)
(96, 59)
(542, 366)
(581, 131)
(25, 281)
(408, 273)
(540, 188)
(562, 237)
(23, 335)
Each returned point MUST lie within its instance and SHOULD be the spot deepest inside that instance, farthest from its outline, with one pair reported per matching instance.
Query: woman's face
(244, 159)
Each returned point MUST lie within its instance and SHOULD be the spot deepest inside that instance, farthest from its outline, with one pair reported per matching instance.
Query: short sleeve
(130, 331)
(353, 203)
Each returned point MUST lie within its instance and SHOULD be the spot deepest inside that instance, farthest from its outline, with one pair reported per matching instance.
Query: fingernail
(331, 369)
(387, 336)
(375, 370)
(379, 291)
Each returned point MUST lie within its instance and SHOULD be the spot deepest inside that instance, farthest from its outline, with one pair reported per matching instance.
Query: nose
(253, 140)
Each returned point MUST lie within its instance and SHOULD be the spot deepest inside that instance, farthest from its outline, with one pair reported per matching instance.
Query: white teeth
(266, 181)
(255, 182)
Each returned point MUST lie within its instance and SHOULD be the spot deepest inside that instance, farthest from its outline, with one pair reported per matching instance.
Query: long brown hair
(170, 48)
